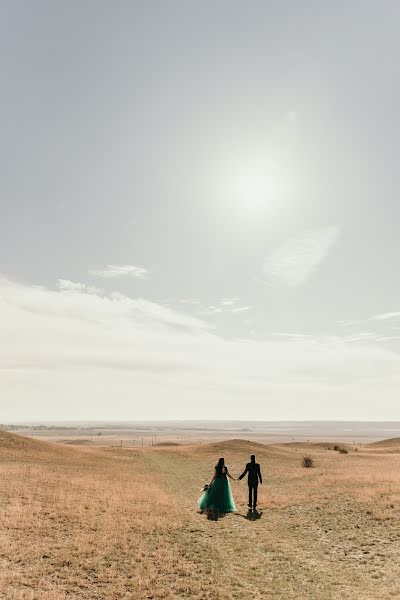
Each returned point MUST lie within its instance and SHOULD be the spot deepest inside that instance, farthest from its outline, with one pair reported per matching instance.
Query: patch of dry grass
(91, 525)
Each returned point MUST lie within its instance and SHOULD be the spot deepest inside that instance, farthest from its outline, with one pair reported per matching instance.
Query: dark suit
(254, 476)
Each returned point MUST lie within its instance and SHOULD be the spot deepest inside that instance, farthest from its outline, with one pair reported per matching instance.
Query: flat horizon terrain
(148, 433)
(95, 522)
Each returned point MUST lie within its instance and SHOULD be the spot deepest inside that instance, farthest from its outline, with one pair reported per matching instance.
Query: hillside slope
(21, 448)
(387, 443)
(19, 443)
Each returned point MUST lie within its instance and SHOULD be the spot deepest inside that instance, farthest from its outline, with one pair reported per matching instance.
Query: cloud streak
(75, 300)
(224, 306)
(292, 263)
(115, 271)
(386, 316)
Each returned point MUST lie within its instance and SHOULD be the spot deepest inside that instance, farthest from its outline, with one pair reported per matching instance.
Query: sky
(199, 210)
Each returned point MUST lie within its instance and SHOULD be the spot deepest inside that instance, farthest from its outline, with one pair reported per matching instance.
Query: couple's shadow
(251, 515)
(212, 516)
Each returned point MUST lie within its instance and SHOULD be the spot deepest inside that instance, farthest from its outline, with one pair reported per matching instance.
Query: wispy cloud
(114, 271)
(224, 306)
(383, 324)
(229, 301)
(75, 300)
(240, 309)
(293, 336)
(190, 301)
(65, 285)
(293, 262)
(210, 310)
(386, 316)
(363, 336)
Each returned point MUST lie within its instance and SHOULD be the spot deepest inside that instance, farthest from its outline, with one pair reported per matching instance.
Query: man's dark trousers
(253, 489)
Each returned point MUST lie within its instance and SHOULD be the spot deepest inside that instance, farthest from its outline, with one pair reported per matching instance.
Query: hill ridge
(16, 444)
(386, 442)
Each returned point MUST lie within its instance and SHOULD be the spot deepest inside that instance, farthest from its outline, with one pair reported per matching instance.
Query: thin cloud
(211, 310)
(362, 336)
(386, 316)
(114, 271)
(190, 301)
(293, 336)
(226, 306)
(240, 309)
(228, 301)
(65, 285)
(292, 263)
(75, 300)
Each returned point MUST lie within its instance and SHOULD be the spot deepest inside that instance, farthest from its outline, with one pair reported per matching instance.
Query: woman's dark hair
(220, 465)
(253, 458)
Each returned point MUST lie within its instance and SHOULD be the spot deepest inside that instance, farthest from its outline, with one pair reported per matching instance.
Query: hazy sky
(199, 209)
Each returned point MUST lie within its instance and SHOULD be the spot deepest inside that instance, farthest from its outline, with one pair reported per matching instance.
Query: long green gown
(218, 498)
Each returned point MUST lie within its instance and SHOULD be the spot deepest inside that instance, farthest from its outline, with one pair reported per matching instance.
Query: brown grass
(114, 524)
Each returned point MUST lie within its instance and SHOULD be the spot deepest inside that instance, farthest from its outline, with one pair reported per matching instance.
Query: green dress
(218, 498)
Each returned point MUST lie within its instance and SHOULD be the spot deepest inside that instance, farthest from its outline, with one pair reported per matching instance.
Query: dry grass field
(110, 523)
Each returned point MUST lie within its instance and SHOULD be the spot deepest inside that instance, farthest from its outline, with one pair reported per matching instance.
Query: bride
(217, 498)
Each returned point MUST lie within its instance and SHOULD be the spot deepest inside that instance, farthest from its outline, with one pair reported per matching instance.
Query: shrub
(307, 462)
(343, 451)
(336, 448)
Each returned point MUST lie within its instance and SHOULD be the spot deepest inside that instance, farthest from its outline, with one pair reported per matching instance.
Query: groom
(253, 469)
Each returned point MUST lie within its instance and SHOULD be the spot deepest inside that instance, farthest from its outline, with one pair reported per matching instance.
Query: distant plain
(147, 433)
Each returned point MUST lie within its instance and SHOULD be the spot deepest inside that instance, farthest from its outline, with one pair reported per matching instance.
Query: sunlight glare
(254, 190)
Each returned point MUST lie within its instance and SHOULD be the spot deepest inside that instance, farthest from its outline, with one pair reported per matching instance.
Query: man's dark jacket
(253, 469)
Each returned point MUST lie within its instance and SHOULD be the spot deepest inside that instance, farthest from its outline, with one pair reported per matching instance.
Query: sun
(253, 188)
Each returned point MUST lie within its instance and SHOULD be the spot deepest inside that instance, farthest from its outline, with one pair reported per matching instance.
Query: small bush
(336, 448)
(307, 462)
(343, 451)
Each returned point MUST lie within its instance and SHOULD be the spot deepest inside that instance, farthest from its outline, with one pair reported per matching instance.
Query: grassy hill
(92, 523)
(388, 443)
(12, 442)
